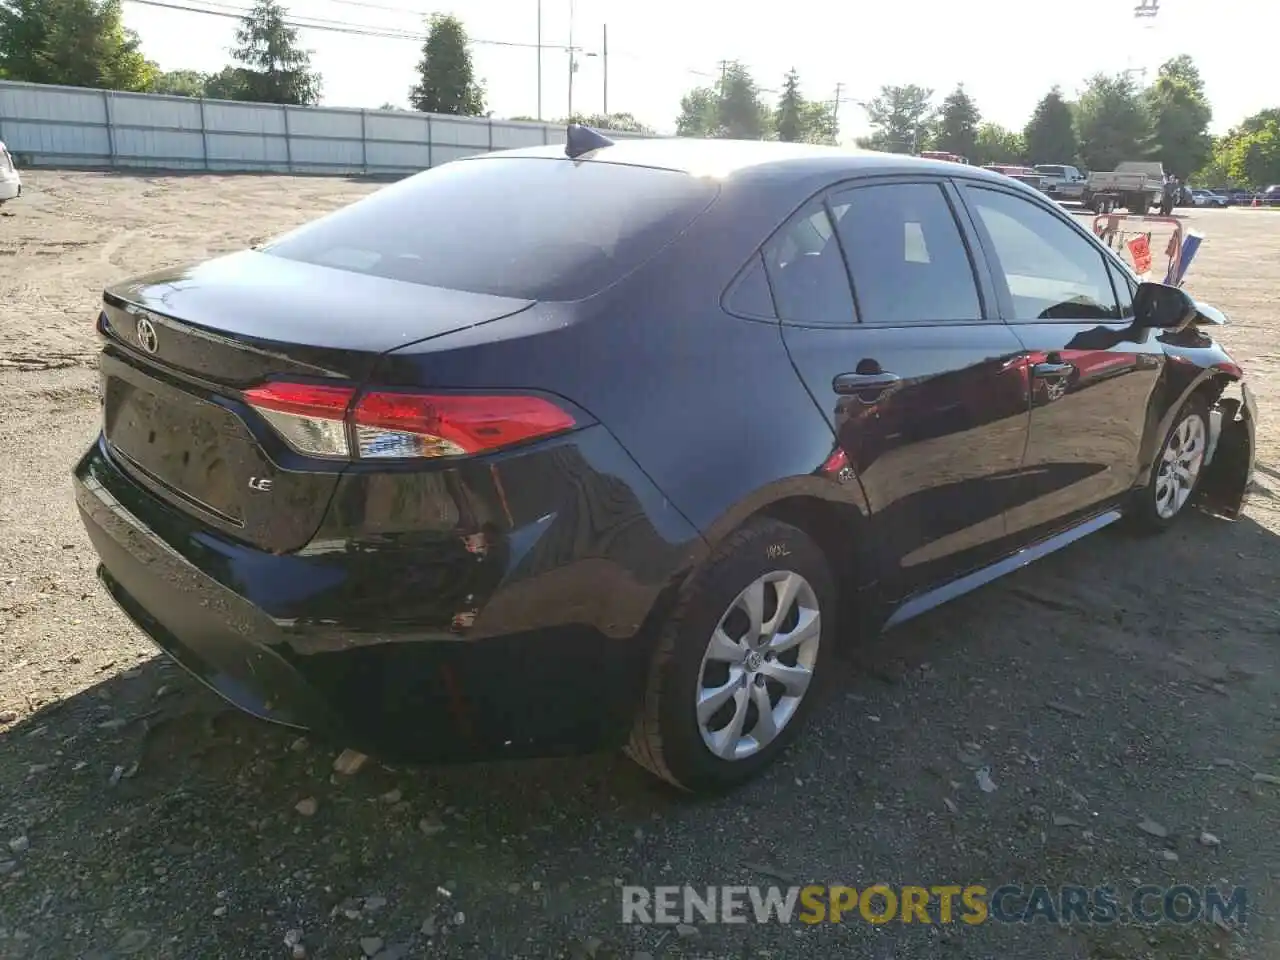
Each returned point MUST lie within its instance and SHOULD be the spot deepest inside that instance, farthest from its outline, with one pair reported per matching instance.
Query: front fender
(1194, 362)
(1228, 471)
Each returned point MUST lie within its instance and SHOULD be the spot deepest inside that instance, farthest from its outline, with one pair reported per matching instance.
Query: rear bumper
(482, 641)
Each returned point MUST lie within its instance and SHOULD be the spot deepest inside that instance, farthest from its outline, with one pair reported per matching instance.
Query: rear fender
(828, 505)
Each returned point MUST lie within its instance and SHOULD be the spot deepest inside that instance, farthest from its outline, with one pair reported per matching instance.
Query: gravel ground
(1117, 683)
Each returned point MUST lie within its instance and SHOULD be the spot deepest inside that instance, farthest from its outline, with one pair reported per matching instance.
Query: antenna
(581, 140)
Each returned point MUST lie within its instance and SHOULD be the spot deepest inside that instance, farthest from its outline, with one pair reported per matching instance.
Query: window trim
(1118, 272)
(849, 180)
(739, 278)
(817, 201)
(1003, 298)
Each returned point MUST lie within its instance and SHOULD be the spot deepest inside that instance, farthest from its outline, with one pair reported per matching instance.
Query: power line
(214, 9)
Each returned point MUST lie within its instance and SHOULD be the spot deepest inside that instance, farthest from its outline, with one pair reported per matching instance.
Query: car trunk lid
(182, 345)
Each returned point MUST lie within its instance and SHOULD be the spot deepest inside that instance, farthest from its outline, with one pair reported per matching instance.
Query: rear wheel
(1177, 469)
(737, 669)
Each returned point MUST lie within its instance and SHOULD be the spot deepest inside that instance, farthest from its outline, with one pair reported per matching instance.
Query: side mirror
(1162, 307)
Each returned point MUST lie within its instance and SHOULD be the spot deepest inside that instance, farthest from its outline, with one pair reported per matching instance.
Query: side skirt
(924, 602)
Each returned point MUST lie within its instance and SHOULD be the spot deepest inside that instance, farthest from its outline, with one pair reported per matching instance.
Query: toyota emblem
(147, 335)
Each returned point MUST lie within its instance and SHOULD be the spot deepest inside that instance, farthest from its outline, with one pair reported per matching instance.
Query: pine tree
(958, 120)
(274, 68)
(1050, 135)
(789, 119)
(446, 77)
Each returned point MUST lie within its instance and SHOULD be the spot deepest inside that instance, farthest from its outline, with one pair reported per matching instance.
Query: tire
(668, 738)
(1163, 500)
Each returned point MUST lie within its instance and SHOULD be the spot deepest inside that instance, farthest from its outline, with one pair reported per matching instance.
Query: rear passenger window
(906, 255)
(749, 295)
(807, 272)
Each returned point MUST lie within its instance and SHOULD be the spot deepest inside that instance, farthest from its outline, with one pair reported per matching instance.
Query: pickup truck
(1135, 184)
(1062, 181)
(1027, 175)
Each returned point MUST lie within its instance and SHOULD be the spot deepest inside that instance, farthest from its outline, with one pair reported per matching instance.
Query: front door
(1092, 374)
(921, 381)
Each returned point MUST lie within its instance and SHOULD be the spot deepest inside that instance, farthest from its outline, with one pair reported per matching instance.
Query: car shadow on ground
(194, 813)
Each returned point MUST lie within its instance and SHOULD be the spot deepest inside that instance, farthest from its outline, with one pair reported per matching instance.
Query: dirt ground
(1116, 682)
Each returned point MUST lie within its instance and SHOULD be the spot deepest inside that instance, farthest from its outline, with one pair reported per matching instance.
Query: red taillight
(412, 425)
(317, 420)
(311, 418)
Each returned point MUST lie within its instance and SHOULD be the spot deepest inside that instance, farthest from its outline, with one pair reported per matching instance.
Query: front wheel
(736, 670)
(1176, 473)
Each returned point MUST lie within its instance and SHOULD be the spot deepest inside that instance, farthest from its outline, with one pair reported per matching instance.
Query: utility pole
(604, 63)
(573, 64)
(539, 59)
(835, 110)
(724, 73)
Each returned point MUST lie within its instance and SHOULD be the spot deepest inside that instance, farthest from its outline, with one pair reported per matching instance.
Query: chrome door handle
(867, 387)
(1051, 369)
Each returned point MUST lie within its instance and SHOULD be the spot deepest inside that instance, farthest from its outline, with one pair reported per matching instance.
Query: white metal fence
(72, 126)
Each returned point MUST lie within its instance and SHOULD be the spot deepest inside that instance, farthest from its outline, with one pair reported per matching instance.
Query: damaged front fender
(1228, 469)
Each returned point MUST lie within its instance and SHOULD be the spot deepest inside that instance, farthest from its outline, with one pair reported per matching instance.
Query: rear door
(917, 375)
(1092, 375)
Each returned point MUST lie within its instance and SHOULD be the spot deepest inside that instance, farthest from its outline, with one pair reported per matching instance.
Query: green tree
(821, 125)
(1183, 68)
(996, 144)
(956, 129)
(81, 43)
(697, 113)
(624, 122)
(180, 83)
(1180, 117)
(789, 119)
(732, 109)
(446, 76)
(1255, 158)
(797, 120)
(1250, 154)
(900, 118)
(1217, 169)
(1050, 135)
(274, 69)
(229, 83)
(1112, 122)
(740, 112)
(1261, 120)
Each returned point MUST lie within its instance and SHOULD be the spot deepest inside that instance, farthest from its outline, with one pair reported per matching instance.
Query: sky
(1007, 53)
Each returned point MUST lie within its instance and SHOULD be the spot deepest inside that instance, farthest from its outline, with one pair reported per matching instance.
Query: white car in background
(10, 182)
(1207, 198)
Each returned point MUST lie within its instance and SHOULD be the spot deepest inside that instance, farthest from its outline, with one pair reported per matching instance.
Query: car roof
(733, 158)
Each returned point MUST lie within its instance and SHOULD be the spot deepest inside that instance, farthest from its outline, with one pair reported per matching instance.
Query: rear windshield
(533, 228)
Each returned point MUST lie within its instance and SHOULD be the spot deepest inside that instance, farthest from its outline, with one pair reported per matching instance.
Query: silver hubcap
(1180, 466)
(758, 665)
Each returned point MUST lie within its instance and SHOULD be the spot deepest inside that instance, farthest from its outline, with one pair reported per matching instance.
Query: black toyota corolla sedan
(612, 444)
